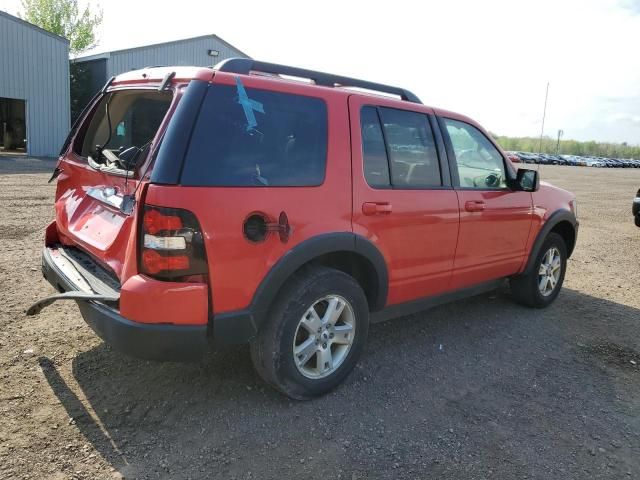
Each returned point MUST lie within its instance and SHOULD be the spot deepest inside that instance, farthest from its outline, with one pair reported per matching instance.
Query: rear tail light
(171, 245)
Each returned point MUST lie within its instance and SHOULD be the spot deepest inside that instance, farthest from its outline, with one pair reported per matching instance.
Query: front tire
(314, 334)
(540, 287)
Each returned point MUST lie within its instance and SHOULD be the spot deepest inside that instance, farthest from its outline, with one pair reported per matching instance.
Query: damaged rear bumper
(155, 341)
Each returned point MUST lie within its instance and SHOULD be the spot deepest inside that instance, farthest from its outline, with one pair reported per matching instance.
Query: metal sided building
(89, 73)
(34, 88)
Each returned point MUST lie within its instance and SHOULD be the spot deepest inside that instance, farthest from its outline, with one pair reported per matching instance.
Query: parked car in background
(513, 156)
(615, 163)
(576, 160)
(241, 207)
(535, 158)
(593, 162)
(548, 159)
(527, 157)
(571, 160)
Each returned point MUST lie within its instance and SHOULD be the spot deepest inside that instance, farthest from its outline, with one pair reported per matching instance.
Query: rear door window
(398, 149)
(246, 137)
(374, 153)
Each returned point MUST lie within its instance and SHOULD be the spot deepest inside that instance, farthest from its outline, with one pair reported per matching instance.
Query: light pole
(560, 133)
(544, 113)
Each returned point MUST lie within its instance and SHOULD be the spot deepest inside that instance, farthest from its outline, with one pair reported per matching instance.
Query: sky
(489, 59)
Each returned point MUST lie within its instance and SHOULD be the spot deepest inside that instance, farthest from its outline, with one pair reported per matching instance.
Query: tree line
(568, 147)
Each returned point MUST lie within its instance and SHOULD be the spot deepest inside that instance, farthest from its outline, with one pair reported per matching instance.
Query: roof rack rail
(244, 66)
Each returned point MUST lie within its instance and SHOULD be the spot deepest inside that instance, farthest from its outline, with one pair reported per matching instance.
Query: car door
(494, 220)
(403, 200)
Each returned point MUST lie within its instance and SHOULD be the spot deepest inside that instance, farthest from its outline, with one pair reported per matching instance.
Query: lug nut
(324, 345)
(331, 335)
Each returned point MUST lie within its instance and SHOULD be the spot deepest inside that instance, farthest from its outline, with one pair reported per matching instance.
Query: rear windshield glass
(124, 119)
(248, 137)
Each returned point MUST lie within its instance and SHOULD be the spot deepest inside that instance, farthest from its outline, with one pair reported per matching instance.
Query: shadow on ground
(481, 388)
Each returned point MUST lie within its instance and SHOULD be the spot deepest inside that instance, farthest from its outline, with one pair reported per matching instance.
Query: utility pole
(544, 113)
(560, 133)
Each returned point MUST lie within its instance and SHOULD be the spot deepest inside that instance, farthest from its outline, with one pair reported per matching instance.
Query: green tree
(63, 17)
(80, 86)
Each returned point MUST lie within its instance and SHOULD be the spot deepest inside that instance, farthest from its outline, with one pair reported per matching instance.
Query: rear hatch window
(122, 127)
(247, 137)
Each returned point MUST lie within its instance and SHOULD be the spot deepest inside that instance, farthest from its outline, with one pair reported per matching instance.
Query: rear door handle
(376, 208)
(474, 206)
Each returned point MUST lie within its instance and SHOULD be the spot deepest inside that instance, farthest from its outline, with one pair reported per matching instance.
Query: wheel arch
(344, 251)
(562, 222)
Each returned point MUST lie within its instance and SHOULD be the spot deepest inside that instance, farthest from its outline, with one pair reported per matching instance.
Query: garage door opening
(13, 127)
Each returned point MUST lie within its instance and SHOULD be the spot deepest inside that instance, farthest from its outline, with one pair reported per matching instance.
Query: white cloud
(490, 59)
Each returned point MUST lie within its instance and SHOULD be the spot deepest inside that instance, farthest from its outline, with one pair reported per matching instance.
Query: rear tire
(540, 287)
(314, 334)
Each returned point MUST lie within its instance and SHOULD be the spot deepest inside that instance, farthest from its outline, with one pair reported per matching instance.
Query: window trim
(453, 161)
(445, 177)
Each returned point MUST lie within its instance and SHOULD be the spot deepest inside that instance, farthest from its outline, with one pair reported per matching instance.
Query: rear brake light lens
(155, 221)
(171, 246)
(156, 263)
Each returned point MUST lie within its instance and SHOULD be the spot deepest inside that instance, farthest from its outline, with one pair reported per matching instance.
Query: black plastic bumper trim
(234, 328)
(141, 340)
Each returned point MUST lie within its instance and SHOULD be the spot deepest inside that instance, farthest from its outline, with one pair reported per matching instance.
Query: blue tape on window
(248, 106)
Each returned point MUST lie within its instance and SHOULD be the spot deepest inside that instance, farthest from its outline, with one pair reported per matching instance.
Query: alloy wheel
(324, 337)
(549, 271)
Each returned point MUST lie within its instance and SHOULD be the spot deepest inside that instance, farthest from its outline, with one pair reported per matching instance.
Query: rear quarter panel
(236, 265)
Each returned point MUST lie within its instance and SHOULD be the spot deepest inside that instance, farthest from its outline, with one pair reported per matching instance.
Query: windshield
(123, 121)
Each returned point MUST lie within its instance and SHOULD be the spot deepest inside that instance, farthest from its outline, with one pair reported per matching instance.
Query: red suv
(198, 208)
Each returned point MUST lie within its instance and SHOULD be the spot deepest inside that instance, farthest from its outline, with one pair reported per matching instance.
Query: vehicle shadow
(476, 386)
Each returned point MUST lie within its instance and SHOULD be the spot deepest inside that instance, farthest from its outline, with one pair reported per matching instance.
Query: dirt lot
(478, 389)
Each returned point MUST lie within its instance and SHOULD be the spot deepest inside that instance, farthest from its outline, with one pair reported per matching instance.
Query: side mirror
(526, 181)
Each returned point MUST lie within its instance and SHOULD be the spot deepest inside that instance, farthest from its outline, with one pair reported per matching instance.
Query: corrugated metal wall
(192, 51)
(34, 66)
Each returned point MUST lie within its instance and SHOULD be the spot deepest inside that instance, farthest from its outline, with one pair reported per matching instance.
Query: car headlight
(573, 205)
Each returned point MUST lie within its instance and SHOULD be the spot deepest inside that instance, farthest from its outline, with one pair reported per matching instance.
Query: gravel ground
(482, 388)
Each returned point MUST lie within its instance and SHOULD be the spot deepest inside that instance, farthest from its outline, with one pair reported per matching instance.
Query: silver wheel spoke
(542, 270)
(334, 310)
(324, 362)
(556, 264)
(548, 257)
(342, 334)
(305, 351)
(543, 283)
(311, 321)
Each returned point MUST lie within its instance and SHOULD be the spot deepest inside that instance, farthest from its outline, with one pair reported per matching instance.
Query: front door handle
(474, 206)
(376, 208)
